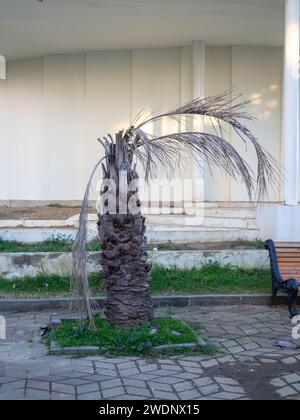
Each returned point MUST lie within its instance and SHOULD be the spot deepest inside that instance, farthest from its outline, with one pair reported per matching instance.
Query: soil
(39, 213)
(255, 377)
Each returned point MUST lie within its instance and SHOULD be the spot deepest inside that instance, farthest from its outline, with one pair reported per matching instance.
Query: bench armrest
(270, 246)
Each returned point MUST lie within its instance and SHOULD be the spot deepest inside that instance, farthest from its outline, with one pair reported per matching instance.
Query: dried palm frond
(82, 301)
(228, 108)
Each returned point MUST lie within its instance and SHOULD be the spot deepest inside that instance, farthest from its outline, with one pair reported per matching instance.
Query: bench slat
(289, 257)
(287, 250)
(287, 244)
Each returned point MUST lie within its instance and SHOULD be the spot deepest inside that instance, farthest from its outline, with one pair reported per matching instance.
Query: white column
(198, 91)
(291, 103)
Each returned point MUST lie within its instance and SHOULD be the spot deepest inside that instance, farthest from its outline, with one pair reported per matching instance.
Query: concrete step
(220, 222)
(155, 234)
(230, 212)
(243, 218)
(217, 222)
(182, 234)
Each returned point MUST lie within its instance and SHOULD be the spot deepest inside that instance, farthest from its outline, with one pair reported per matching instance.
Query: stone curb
(39, 305)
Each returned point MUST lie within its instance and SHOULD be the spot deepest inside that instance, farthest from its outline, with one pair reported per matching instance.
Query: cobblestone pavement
(248, 365)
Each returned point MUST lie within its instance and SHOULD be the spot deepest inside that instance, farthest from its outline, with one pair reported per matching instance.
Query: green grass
(211, 279)
(57, 243)
(61, 243)
(116, 341)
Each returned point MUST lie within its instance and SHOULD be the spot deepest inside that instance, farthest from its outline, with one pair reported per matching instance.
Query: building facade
(57, 99)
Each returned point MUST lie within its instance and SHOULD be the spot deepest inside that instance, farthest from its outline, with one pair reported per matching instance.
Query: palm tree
(125, 265)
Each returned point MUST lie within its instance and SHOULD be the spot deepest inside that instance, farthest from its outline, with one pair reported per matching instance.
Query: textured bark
(125, 269)
(124, 260)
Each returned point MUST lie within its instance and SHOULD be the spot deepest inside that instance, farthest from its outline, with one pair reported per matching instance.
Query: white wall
(53, 109)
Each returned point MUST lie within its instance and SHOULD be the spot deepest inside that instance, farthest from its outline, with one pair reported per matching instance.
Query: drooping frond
(82, 301)
(228, 108)
(214, 150)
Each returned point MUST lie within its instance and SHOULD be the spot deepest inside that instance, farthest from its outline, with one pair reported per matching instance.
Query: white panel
(156, 88)
(56, 108)
(218, 80)
(156, 76)
(21, 165)
(187, 95)
(256, 72)
(108, 104)
(156, 83)
(4, 139)
(64, 128)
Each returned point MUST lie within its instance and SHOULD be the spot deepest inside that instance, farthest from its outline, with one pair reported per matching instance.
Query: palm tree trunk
(125, 269)
(124, 259)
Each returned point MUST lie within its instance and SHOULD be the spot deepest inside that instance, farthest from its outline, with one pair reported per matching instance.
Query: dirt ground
(39, 213)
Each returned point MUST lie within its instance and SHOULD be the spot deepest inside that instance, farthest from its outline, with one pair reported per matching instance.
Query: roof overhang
(30, 28)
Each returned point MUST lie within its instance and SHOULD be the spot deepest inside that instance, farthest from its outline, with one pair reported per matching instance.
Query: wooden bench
(285, 266)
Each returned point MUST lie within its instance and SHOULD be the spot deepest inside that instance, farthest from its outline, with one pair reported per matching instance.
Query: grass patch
(62, 243)
(116, 341)
(58, 243)
(211, 279)
(239, 244)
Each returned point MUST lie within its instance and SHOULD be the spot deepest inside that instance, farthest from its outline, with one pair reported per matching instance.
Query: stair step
(181, 234)
(217, 222)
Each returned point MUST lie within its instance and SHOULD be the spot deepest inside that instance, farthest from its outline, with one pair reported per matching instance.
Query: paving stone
(110, 383)
(156, 386)
(38, 385)
(93, 396)
(75, 381)
(226, 359)
(293, 378)
(203, 381)
(37, 394)
(148, 368)
(183, 386)
(251, 346)
(286, 391)
(96, 378)
(106, 372)
(173, 367)
(113, 392)
(138, 391)
(167, 380)
(134, 382)
(279, 383)
(289, 361)
(209, 363)
(84, 389)
(12, 386)
(189, 395)
(162, 395)
(189, 363)
(62, 389)
(229, 344)
(226, 396)
(236, 350)
(126, 365)
(130, 372)
(233, 389)
(186, 375)
(193, 370)
(209, 389)
(296, 386)
(61, 396)
(226, 381)
(12, 395)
